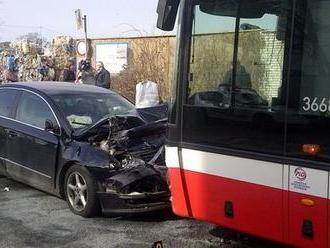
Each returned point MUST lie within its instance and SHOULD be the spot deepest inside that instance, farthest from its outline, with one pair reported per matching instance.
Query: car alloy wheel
(77, 191)
(80, 188)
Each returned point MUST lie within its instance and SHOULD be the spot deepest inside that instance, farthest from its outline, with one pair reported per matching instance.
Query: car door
(32, 151)
(7, 103)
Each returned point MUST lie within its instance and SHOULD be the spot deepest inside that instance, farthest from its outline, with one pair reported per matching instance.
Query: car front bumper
(113, 203)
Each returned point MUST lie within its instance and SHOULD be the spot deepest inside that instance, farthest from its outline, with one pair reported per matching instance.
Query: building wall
(149, 58)
(152, 58)
(272, 58)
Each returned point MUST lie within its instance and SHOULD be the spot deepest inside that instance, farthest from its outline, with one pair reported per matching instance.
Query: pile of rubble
(28, 57)
(62, 50)
(27, 61)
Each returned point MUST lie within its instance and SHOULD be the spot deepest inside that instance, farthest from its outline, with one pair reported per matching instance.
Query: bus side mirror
(167, 10)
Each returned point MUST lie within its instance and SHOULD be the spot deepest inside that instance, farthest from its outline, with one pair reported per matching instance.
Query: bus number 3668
(316, 105)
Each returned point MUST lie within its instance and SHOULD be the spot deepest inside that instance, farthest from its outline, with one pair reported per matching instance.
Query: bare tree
(148, 60)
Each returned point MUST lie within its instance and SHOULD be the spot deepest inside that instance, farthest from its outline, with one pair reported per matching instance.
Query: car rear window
(7, 98)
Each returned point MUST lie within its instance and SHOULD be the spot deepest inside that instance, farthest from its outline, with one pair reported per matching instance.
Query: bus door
(308, 125)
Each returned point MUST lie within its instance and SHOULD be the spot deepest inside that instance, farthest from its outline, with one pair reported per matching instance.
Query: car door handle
(11, 133)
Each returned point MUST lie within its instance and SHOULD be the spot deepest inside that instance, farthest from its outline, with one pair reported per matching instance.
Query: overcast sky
(106, 18)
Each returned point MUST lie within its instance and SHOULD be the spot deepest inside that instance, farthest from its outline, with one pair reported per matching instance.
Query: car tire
(80, 189)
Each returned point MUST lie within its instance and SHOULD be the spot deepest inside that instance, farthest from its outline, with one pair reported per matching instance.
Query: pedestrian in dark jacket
(69, 74)
(102, 76)
(86, 73)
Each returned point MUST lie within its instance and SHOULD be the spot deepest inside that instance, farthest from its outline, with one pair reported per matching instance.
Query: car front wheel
(80, 191)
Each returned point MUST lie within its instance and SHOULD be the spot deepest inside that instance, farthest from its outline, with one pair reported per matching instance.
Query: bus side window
(235, 96)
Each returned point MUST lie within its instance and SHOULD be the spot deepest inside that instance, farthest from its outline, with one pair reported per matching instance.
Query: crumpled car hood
(132, 120)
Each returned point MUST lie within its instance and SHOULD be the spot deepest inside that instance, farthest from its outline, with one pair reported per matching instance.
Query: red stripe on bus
(258, 210)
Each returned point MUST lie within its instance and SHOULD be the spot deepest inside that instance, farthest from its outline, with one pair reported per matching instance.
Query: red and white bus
(249, 133)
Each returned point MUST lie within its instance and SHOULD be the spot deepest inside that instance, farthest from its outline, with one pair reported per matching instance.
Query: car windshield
(82, 110)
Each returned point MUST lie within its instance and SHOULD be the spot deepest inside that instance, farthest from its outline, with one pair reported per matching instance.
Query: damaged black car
(85, 144)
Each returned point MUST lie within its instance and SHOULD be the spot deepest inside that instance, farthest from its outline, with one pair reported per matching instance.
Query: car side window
(33, 110)
(7, 98)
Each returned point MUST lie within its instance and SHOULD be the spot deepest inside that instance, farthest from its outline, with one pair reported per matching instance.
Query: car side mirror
(50, 127)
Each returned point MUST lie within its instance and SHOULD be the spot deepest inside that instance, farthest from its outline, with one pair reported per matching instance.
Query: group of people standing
(86, 74)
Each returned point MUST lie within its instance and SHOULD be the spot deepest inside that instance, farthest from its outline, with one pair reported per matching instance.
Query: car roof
(56, 88)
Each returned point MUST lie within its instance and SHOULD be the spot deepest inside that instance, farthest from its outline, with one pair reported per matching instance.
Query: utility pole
(85, 30)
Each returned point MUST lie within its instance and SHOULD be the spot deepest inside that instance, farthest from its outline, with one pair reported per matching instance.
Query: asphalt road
(31, 218)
